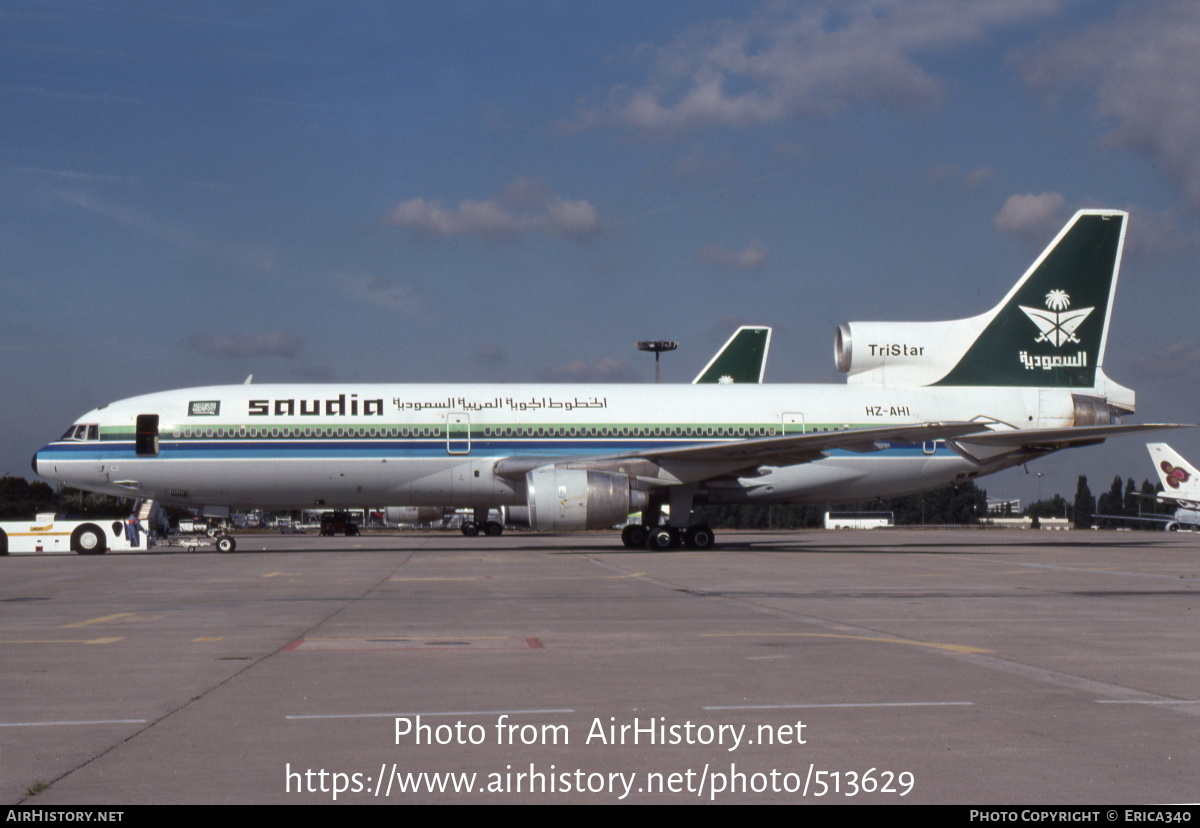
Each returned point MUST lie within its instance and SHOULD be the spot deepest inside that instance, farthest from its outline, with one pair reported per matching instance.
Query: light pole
(657, 346)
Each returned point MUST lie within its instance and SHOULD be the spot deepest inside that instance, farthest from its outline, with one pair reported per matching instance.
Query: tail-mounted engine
(899, 353)
(565, 500)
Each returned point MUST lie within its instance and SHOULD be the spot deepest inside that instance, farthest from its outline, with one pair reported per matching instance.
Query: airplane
(925, 405)
(743, 358)
(1181, 486)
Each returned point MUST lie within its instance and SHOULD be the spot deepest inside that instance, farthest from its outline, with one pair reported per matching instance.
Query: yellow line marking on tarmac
(67, 641)
(464, 578)
(121, 617)
(209, 638)
(101, 620)
(954, 648)
(547, 578)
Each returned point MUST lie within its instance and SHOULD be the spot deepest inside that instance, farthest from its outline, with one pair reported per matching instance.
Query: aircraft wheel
(88, 540)
(226, 544)
(661, 538)
(470, 529)
(3, 542)
(634, 535)
(699, 537)
(493, 529)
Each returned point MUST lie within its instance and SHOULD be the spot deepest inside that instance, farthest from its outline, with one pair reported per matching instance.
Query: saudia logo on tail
(1056, 325)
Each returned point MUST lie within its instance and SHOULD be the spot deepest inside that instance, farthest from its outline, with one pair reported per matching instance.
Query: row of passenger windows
(540, 431)
(284, 431)
(633, 431)
(92, 432)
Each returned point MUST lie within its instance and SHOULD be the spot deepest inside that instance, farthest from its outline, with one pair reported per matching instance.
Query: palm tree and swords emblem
(1057, 324)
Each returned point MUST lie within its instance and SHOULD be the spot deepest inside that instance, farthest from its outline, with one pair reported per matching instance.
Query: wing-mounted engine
(564, 500)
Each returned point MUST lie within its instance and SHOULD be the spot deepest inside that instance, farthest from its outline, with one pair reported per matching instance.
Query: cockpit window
(82, 432)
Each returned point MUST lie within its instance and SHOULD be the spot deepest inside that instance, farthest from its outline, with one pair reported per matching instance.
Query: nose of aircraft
(34, 463)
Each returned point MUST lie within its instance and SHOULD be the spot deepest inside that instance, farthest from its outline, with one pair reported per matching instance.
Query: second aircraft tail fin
(1179, 477)
(742, 359)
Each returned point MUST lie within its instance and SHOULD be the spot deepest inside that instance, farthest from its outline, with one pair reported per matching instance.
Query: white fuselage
(293, 446)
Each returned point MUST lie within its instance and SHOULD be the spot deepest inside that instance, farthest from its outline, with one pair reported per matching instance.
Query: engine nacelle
(901, 353)
(567, 500)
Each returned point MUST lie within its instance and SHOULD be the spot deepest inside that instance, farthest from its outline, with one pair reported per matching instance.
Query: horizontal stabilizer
(1058, 438)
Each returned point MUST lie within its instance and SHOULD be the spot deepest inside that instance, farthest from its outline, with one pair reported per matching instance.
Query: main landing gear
(480, 525)
(490, 528)
(699, 536)
(649, 534)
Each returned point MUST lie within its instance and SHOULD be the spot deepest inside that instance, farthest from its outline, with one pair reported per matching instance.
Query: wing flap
(1058, 438)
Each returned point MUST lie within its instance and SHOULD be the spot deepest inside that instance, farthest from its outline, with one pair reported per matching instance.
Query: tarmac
(881, 667)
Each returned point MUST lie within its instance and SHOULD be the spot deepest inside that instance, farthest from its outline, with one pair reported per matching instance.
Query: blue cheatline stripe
(279, 449)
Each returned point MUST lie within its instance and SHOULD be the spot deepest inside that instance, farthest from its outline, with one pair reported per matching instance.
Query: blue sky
(518, 191)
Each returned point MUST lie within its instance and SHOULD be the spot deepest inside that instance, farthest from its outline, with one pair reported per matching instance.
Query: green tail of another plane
(743, 359)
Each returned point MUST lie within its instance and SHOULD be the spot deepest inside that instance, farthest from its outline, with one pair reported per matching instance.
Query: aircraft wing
(1163, 497)
(700, 461)
(691, 463)
(801, 448)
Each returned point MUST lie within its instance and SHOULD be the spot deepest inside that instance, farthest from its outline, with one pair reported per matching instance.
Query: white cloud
(1157, 234)
(796, 60)
(279, 343)
(1143, 69)
(753, 257)
(526, 205)
(1035, 219)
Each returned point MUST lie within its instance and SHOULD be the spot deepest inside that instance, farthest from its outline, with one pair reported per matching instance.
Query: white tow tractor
(95, 536)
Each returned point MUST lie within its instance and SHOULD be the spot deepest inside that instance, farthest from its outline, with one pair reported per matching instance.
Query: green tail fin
(742, 359)
(1051, 329)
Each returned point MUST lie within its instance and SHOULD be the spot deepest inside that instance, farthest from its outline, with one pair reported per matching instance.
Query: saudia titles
(339, 406)
(1056, 325)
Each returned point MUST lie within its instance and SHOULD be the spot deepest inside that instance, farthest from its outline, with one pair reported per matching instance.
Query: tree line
(952, 505)
(21, 500)
(1111, 509)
